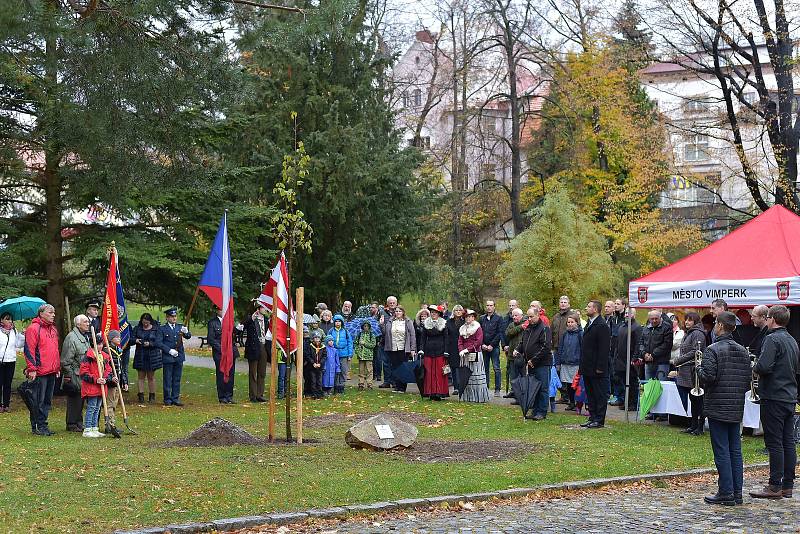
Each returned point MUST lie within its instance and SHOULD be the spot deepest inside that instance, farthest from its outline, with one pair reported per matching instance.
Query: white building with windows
(708, 177)
(423, 101)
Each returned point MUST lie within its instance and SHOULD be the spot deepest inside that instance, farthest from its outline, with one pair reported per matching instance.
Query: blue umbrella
(21, 308)
(354, 326)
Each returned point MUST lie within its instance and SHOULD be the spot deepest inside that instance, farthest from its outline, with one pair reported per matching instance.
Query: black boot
(151, 397)
(140, 397)
(719, 498)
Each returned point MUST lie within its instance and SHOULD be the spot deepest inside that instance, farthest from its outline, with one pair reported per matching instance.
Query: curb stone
(235, 523)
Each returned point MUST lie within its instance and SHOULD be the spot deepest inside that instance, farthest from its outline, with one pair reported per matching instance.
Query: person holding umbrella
(472, 381)
(42, 366)
(535, 347)
(10, 341)
(399, 343)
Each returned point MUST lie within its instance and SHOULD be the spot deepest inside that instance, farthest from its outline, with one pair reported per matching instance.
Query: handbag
(446, 369)
(472, 356)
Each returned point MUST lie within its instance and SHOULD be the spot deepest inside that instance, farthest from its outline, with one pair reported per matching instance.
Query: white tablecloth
(670, 403)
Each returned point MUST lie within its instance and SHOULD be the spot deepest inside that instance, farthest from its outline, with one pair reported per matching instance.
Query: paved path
(641, 508)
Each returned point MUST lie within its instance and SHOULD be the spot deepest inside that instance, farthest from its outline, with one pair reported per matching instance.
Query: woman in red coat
(432, 348)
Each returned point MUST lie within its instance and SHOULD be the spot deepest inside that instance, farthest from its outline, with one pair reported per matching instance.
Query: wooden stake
(299, 363)
(273, 381)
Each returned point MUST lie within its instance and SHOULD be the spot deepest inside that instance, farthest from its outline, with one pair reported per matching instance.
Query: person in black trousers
(777, 369)
(224, 389)
(594, 365)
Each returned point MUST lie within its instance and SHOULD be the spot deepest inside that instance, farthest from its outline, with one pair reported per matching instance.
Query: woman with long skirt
(433, 349)
(470, 339)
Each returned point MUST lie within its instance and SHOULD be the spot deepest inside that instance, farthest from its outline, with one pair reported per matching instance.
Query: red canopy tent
(758, 263)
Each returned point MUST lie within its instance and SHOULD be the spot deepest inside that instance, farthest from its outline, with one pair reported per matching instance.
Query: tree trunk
(52, 187)
(455, 170)
(516, 153)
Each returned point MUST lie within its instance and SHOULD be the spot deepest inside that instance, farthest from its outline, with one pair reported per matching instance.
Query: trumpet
(697, 391)
(754, 398)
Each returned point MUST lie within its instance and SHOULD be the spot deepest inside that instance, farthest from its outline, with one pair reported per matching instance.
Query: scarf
(430, 324)
(467, 330)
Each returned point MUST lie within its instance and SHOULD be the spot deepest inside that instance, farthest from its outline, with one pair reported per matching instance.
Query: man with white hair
(75, 346)
(42, 365)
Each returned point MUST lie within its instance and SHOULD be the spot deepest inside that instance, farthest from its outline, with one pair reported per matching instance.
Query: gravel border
(235, 523)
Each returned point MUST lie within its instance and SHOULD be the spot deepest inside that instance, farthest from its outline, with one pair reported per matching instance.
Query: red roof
(767, 246)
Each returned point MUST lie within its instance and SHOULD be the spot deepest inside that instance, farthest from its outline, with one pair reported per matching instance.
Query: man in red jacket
(42, 366)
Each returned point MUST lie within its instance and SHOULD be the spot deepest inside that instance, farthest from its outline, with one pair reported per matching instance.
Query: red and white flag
(280, 278)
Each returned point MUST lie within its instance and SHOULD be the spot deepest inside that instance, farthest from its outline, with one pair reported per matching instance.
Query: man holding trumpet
(777, 368)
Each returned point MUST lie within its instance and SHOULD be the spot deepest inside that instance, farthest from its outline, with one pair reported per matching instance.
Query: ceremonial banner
(217, 283)
(114, 315)
(758, 263)
(279, 277)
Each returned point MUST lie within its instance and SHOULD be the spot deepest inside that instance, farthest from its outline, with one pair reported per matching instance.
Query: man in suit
(224, 390)
(171, 336)
(594, 365)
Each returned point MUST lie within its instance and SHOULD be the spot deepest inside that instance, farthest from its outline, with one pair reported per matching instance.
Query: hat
(171, 312)
(438, 309)
(727, 318)
(471, 312)
(93, 304)
(113, 334)
(316, 335)
(328, 338)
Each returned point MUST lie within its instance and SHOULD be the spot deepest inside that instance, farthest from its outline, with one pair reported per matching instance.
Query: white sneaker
(98, 433)
(87, 433)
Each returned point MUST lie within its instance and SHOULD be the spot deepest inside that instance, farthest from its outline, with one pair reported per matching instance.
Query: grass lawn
(70, 484)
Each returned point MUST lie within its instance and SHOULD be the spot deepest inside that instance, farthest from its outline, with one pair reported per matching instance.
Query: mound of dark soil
(440, 451)
(218, 433)
(333, 419)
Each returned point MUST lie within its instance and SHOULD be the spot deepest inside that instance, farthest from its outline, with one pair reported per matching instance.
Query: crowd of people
(590, 358)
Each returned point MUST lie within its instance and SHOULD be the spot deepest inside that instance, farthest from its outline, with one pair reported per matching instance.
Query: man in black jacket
(594, 365)
(777, 386)
(759, 316)
(224, 389)
(492, 327)
(535, 347)
(725, 375)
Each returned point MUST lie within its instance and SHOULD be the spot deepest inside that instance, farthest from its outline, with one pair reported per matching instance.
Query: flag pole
(299, 362)
(191, 306)
(273, 364)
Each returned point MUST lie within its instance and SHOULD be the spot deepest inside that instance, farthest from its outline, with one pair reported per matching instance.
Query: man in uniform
(171, 336)
(93, 313)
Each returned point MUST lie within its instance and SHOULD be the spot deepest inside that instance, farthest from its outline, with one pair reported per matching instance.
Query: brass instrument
(697, 391)
(754, 398)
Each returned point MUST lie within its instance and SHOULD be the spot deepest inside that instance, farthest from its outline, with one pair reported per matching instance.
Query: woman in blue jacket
(569, 355)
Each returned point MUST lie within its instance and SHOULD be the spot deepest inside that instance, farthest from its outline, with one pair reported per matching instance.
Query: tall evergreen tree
(359, 194)
(111, 106)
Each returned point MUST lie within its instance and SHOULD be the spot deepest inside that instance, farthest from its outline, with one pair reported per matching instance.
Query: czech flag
(217, 283)
(114, 315)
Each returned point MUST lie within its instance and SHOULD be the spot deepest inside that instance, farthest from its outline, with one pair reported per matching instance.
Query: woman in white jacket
(10, 341)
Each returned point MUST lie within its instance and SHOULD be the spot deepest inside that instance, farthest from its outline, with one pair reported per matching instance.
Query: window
(488, 126)
(417, 97)
(488, 171)
(696, 148)
(687, 192)
(406, 100)
(416, 60)
(422, 142)
(695, 105)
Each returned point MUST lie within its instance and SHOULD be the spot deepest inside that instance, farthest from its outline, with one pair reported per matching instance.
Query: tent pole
(628, 370)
